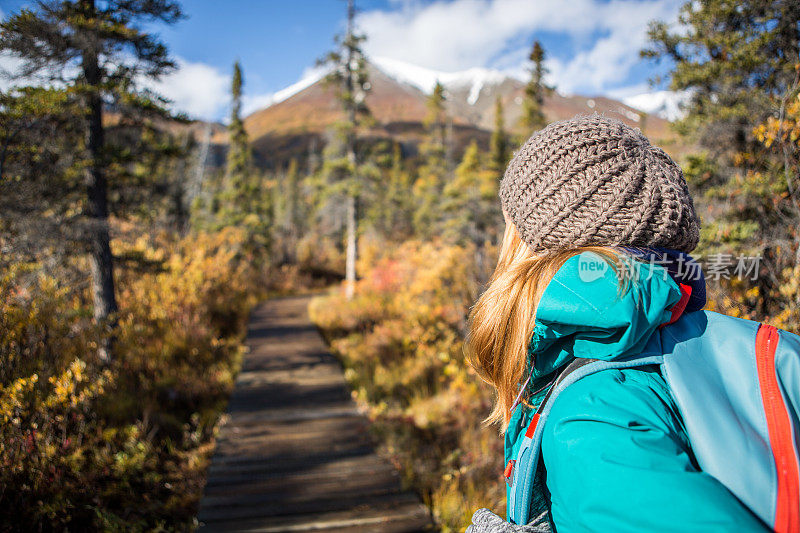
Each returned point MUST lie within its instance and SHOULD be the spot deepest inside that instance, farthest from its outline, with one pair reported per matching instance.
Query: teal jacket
(614, 447)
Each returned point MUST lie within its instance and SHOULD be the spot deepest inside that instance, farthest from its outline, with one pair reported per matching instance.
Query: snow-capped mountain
(288, 121)
(665, 104)
(310, 77)
(469, 85)
(473, 80)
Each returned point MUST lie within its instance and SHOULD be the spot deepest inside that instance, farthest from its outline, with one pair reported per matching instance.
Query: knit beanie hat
(593, 180)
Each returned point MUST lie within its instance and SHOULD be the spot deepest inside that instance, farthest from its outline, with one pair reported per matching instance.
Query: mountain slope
(397, 99)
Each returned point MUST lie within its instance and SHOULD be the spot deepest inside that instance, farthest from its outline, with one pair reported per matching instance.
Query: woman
(580, 195)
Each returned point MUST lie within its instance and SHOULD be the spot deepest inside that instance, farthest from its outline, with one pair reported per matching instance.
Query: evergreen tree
(287, 211)
(473, 214)
(244, 197)
(98, 54)
(29, 115)
(433, 168)
(738, 61)
(399, 198)
(349, 77)
(643, 121)
(239, 195)
(390, 202)
(436, 119)
(533, 118)
(498, 144)
(239, 159)
(160, 180)
(40, 190)
(292, 198)
(735, 58)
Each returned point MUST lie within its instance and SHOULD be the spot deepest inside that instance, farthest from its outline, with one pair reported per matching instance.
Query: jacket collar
(581, 314)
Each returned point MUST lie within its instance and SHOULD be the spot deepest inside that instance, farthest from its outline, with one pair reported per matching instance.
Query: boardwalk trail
(294, 454)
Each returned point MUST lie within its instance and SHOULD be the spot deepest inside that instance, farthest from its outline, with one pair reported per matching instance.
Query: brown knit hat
(594, 180)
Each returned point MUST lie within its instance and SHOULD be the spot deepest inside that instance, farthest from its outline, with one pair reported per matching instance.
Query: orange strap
(677, 309)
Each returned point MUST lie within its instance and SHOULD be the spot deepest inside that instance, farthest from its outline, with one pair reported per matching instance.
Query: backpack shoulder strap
(524, 501)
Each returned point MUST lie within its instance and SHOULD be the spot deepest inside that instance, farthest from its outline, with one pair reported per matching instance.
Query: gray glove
(485, 521)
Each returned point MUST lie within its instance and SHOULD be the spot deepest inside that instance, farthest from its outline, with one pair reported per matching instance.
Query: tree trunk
(352, 225)
(102, 266)
(352, 215)
(352, 250)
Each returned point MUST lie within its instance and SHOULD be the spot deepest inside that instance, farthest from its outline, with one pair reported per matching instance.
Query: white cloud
(611, 57)
(460, 34)
(197, 89)
(11, 68)
(666, 104)
(9, 65)
(620, 93)
(456, 35)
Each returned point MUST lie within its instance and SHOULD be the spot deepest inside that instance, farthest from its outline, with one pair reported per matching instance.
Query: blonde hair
(501, 321)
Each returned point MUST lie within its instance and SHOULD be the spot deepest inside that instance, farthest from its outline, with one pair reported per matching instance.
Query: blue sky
(592, 45)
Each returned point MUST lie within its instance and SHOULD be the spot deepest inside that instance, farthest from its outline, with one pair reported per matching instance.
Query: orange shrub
(123, 446)
(401, 339)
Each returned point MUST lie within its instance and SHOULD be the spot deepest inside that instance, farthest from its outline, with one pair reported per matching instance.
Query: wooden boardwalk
(294, 453)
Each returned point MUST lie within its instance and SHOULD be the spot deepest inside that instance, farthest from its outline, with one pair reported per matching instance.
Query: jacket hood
(583, 314)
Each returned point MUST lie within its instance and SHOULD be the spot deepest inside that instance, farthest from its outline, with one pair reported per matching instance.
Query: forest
(135, 241)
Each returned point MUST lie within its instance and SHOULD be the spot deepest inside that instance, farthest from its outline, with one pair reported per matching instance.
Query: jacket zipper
(779, 426)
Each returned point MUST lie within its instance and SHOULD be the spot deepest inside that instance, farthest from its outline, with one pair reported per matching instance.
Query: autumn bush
(769, 191)
(123, 445)
(401, 341)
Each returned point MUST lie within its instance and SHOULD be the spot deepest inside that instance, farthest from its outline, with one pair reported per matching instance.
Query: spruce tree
(472, 214)
(98, 54)
(41, 192)
(498, 144)
(390, 205)
(239, 194)
(28, 115)
(287, 211)
(533, 118)
(399, 198)
(436, 120)
(734, 58)
(738, 62)
(239, 154)
(433, 166)
(350, 79)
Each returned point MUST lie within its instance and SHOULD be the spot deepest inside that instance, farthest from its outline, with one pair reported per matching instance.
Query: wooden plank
(315, 425)
(294, 453)
(346, 463)
(401, 518)
(299, 509)
(341, 409)
(285, 493)
(292, 462)
(317, 476)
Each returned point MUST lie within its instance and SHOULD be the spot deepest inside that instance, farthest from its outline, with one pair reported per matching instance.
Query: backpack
(736, 383)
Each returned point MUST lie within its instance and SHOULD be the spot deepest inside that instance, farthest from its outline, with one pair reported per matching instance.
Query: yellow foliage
(401, 341)
(70, 388)
(13, 399)
(88, 446)
(786, 130)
